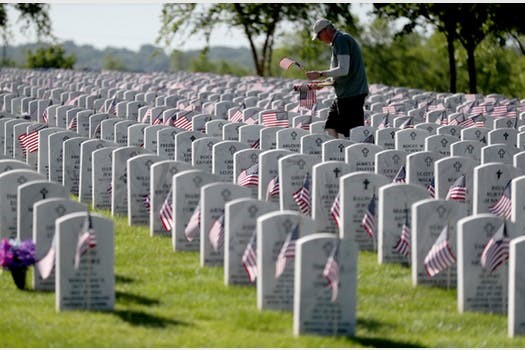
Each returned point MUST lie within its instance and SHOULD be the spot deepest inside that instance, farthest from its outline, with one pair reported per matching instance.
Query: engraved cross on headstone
(365, 152)
(501, 153)
(341, 148)
(232, 149)
(505, 135)
(470, 149)
(457, 166)
(498, 173)
(252, 211)
(428, 161)
(366, 183)
(336, 172)
(44, 192)
(226, 194)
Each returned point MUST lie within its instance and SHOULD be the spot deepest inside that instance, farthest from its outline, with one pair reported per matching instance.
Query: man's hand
(312, 75)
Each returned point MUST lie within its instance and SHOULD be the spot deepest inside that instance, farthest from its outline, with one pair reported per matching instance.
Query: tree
(36, 15)
(50, 57)
(112, 62)
(258, 21)
(467, 23)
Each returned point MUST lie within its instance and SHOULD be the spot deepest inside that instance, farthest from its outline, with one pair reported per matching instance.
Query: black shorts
(346, 113)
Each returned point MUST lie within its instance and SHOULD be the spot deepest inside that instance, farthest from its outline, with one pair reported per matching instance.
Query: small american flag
(408, 123)
(170, 118)
(302, 196)
(335, 209)
(29, 140)
(287, 251)
(384, 123)
(369, 219)
(403, 244)
(71, 101)
(331, 271)
(147, 116)
(431, 188)
(273, 188)
(256, 144)
(86, 240)
(166, 212)
(72, 124)
(440, 256)
(249, 258)
(307, 96)
(158, 120)
(46, 264)
(249, 177)
(286, 63)
(193, 227)
(184, 121)
(400, 175)
(45, 117)
(216, 233)
(503, 207)
(458, 190)
(496, 251)
(237, 116)
(279, 118)
(442, 119)
(368, 139)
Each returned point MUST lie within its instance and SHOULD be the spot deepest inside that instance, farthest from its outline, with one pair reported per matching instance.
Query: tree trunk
(471, 65)
(452, 63)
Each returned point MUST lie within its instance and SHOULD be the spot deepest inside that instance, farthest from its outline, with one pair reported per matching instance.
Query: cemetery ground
(165, 299)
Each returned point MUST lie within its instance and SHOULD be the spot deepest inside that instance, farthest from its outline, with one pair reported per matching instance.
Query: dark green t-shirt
(355, 83)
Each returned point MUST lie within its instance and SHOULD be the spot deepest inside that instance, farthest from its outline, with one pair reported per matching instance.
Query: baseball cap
(318, 26)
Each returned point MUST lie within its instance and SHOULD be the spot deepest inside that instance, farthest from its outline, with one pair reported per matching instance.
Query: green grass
(165, 299)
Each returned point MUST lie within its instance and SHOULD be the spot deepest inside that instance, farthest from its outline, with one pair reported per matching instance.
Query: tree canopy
(258, 21)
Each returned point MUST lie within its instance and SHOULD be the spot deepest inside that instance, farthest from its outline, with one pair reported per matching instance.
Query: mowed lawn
(165, 299)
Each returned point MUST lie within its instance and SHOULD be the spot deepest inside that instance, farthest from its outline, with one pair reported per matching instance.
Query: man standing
(347, 70)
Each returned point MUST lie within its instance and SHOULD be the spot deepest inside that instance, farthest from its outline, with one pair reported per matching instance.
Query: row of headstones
(44, 211)
(425, 215)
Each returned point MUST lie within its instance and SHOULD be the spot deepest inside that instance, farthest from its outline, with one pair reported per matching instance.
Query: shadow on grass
(383, 343)
(123, 279)
(140, 318)
(371, 325)
(136, 299)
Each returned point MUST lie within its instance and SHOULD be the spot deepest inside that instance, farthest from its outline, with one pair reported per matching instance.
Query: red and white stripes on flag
(331, 271)
(166, 212)
(147, 116)
(272, 189)
(237, 116)
(458, 190)
(307, 96)
(216, 233)
(29, 140)
(275, 118)
(256, 144)
(431, 189)
(440, 256)
(503, 207)
(184, 121)
(286, 63)
(46, 264)
(302, 196)
(400, 175)
(249, 258)
(249, 177)
(287, 252)
(369, 219)
(86, 240)
(403, 244)
(192, 229)
(496, 251)
(335, 209)
(72, 124)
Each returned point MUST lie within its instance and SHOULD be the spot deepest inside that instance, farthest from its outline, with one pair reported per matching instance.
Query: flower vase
(19, 276)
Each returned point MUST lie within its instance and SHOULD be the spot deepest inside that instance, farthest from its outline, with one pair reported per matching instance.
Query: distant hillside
(148, 58)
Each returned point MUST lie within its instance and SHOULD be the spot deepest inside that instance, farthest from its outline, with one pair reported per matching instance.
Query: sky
(122, 25)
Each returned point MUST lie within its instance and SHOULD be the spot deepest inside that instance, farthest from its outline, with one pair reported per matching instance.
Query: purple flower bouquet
(16, 256)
